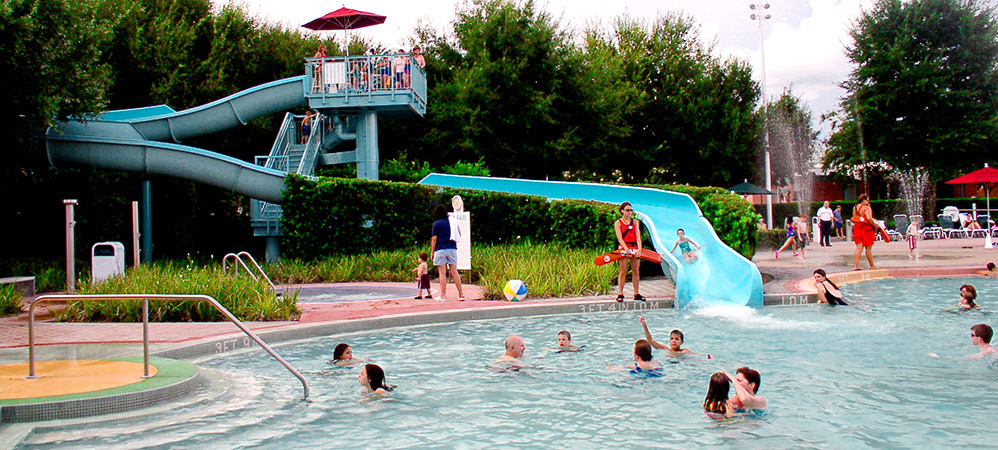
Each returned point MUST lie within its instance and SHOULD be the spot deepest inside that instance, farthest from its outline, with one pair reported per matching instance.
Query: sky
(804, 40)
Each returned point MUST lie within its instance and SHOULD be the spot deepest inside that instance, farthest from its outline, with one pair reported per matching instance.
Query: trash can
(107, 259)
(815, 230)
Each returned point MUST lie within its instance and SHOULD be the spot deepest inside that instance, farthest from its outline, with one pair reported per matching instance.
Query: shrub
(10, 299)
(50, 275)
(349, 216)
(245, 298)
(478, 169)
(402, 169)
(771, 239)
(550, 270)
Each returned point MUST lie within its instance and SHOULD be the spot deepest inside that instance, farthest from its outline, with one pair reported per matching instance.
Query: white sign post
(463, 219)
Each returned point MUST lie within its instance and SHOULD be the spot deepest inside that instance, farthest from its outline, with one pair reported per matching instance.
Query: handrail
(225, 265)
(238, 257)
(145, 326)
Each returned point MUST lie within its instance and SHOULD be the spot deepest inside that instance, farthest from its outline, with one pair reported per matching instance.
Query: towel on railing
(334, 74)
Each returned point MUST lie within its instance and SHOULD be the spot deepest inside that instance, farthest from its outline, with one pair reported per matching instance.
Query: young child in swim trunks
(565, 342)
(683, 243)
(911, 235)
(676, 340)
(422, 276)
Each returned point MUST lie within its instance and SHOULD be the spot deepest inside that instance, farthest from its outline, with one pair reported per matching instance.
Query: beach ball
(515, 290)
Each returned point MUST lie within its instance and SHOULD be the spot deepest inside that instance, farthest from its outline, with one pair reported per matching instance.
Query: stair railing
(145, 326)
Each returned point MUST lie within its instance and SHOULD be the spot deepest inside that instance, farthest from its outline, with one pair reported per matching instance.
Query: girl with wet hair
(343, 356)
(828, 292)
(967, 296)
(716, 403)
(372, 377)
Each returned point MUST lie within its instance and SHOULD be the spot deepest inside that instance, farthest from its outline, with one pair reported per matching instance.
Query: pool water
(836, 377)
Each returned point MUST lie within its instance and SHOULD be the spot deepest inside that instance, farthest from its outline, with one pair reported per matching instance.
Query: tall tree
(923, 90)
(50, 64)
(695, 122)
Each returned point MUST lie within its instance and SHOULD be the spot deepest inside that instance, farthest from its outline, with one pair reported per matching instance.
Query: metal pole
(147, 221)
(765, 105)
(145, 337)
(135, 235)
(70, 246)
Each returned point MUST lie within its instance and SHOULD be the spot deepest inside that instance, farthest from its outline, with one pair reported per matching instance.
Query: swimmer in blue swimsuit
(683, 243)
(642, 360)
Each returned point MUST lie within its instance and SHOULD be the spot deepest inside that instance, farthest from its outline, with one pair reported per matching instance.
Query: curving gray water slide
(139, 140)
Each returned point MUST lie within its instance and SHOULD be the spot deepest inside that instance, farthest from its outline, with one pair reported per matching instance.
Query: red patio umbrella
(987, 175)
(345, 19)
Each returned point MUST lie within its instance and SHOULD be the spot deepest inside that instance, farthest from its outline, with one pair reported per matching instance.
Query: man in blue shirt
(444, 250)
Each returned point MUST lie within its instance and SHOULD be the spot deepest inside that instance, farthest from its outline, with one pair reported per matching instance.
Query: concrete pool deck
(790, 279)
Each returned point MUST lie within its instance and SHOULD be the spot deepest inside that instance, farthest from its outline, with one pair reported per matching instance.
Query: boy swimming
(565, 342)
(676, 340)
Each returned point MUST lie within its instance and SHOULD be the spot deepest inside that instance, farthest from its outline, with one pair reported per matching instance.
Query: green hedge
(333, 216)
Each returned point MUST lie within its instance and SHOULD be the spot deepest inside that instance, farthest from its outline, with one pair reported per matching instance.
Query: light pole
(759, 17)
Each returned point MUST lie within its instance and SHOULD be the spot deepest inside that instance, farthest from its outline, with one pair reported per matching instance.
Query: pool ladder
(145, 326)
(238, 257)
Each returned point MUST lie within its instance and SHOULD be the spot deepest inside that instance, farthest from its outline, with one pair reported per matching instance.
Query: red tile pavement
(14, 330)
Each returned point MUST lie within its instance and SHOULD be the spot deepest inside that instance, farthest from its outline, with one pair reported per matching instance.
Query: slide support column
(367, 145)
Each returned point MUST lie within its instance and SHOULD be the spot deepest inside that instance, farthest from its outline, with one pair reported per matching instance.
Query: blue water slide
(234, 110)
(135, 140)
(720, 276)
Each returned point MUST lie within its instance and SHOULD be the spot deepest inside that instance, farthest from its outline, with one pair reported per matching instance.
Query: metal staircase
(288, 155)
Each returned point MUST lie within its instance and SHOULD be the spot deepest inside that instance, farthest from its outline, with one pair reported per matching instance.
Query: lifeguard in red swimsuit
(864, 230)
(628, 232)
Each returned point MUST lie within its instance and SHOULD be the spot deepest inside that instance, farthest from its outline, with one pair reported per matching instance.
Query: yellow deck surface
(67, 377)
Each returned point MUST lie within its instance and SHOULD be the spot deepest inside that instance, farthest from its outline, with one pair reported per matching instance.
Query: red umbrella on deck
(345, 19)
(987, 176)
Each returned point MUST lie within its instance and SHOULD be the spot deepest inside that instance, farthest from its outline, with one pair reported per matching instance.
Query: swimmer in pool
(642, 359)
(683, 243)
(716, 404)
(746, 385)
(676, 340)
(514, 351)
(980, 335)
(372, 377)
(992, 270)
(828, 292)
(967, 296)
(565, 342)
(343, 356)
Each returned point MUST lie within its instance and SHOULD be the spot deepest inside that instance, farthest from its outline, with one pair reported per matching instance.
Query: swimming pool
(835, 377)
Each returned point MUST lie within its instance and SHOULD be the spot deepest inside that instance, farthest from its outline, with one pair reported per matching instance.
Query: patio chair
(900, 225)
(949, 228)
(923, 231)
(983, 231)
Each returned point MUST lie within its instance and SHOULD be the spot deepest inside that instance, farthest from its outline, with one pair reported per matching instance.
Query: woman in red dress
(864, 230)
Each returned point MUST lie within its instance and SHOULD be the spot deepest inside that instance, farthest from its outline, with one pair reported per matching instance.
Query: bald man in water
(514, 350)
